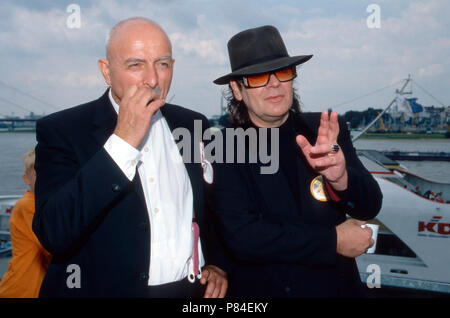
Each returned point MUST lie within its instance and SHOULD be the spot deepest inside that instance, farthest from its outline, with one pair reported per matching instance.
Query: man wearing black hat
(286, 234)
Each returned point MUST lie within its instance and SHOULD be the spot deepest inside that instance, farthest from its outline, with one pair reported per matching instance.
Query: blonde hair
(28, 160)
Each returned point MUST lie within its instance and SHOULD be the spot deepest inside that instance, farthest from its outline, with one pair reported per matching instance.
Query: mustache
(157, 90)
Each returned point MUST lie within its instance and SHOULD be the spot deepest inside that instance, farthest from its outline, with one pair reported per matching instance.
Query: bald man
(116, 205)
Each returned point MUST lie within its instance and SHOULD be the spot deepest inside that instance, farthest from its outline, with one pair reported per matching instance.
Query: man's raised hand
(136, 110)
(321, 157)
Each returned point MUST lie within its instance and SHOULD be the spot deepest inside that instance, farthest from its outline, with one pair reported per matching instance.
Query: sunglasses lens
(285, 74)
(260, 80)
(257, 80)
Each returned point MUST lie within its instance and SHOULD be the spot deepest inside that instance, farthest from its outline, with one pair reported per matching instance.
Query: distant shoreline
(17, 131)
(402, 136)
(365, 136)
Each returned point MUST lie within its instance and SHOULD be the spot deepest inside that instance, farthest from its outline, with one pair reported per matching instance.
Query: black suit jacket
(275, 248)
(87, 212)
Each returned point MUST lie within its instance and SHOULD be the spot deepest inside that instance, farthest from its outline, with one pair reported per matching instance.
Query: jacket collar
(303, 127)
(104, 119)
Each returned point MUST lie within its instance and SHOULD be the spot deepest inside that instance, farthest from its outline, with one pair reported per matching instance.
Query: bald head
(122, 30)
(138, 52)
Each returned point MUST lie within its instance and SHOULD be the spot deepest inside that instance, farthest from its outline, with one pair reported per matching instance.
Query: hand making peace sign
(321, 156)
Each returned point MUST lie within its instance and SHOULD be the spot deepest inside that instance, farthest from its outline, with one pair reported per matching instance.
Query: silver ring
(335, 147)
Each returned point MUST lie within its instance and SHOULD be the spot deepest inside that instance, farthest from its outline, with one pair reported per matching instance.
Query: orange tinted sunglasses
(260, 80)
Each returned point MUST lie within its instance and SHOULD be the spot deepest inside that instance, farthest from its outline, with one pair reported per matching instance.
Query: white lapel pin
(208, 173)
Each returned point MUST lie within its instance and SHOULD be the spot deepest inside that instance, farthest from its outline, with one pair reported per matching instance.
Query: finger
(368, 230)
(146, 96)
(322, 135)
(304, 144)
(223, 289)
(155, 105)
(322, 149)
(358, 222)
(217, 287)
(130, 91)
(154, 95)
(134, 101)
(333, 132)
(205, 276)
(325, 162)
(210, 288)
(128, 94)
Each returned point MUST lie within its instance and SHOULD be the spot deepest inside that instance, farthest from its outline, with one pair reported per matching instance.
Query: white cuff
(123, 154)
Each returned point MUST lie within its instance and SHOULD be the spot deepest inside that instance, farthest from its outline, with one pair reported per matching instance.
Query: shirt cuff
(123, 154)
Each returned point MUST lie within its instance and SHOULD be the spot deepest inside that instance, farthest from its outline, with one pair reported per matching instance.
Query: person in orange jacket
(30, 260)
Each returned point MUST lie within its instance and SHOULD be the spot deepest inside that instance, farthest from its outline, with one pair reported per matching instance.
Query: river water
(431, 170)
(14, 145)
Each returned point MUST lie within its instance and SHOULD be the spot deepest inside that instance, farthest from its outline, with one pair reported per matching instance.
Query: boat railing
(6, 252)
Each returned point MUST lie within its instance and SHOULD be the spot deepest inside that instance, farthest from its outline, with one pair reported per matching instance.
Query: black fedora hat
(256, 51)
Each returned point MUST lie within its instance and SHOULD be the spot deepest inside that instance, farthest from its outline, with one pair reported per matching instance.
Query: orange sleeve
(25, 211)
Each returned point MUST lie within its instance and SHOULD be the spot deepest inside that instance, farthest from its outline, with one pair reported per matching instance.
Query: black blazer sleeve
(71, 198)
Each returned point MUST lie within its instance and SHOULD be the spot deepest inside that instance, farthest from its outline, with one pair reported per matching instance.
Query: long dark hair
(239, 112)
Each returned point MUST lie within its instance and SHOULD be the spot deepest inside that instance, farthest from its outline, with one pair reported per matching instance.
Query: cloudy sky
(47, 66)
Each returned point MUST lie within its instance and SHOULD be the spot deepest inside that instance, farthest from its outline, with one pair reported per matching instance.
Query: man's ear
(103, 65)
(236, 90)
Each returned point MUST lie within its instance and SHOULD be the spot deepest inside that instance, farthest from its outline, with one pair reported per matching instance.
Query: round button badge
(317, 189)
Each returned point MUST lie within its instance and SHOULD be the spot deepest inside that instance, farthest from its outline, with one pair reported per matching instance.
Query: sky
(358, 61)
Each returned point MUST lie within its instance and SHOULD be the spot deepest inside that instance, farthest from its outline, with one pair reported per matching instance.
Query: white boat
(413, 245)
(412, 250)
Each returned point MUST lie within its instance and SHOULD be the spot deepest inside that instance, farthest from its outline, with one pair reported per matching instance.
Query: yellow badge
(317, 189)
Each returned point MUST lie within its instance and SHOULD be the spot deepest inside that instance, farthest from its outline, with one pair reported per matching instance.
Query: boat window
(391, 244)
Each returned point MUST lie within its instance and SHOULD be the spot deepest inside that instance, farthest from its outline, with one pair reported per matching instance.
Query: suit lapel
(308, 128)
(104, 119)
(303, 127)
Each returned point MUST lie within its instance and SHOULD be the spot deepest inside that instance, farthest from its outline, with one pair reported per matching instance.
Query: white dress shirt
(168, 196)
